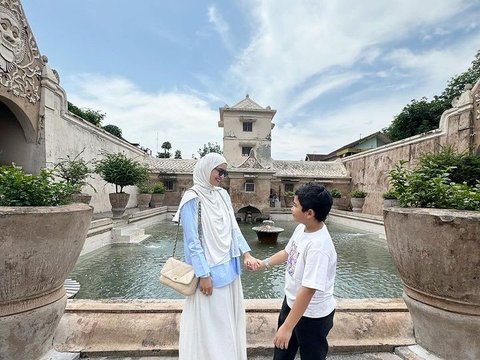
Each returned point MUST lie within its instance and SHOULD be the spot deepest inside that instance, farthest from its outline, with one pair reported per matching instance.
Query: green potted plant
(158, 194)
(434, 242)
(145, 191)
(357, 198)
(336, 196)
(75, 171)
(390, 199)
(288, 197)
(121, 171)
(41, 238)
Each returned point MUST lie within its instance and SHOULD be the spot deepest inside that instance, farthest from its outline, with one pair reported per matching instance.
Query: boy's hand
(282, 337)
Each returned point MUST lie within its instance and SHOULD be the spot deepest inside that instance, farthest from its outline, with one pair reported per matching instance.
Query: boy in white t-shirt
(307, 312)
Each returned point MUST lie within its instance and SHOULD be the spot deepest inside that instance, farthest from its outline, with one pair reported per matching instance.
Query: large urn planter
(357, 204)
(119, 202)
(81, 198)
(336, 203)
(437, 253)
(39, 247)
(143, 201)
(157, 200)
(387, 203)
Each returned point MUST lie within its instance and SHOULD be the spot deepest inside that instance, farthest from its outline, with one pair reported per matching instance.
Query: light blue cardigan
(222, 274)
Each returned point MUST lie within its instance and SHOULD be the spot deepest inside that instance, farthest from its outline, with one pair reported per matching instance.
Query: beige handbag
(177, 274)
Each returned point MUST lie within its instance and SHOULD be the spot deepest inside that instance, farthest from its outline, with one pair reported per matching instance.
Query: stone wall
(66, 134)
(459, 126)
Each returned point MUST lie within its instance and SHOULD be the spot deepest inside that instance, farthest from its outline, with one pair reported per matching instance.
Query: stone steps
(128, 235)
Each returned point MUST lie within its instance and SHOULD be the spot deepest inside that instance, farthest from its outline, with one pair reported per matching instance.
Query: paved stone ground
(366, 356)
(413, 352)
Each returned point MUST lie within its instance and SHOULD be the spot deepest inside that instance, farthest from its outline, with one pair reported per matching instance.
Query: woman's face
(215, 177)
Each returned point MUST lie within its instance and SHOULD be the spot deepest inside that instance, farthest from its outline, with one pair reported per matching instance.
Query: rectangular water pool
(130, 271)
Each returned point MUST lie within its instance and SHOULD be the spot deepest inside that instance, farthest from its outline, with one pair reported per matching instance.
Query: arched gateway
(21, 68)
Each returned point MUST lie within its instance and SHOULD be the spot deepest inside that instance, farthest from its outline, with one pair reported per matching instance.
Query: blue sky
(334, 70)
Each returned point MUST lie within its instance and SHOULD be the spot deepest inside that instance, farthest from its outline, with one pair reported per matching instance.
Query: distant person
(212, 325)
(308, 308)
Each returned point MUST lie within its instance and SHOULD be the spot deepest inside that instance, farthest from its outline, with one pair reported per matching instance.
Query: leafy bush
(431, 183)
(74, 171)
(336, 193)
(159, 188)
(359, 194)
(20, 189)
(114, 130)
(92, 116)
(145, 188)
(121, 171)
(390, 195)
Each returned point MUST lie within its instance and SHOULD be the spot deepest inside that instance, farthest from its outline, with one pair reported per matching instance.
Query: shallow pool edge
(151, 327)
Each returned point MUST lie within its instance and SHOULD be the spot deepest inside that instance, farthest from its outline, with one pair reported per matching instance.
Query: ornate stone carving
(251, 162)
(20, 63)
(476, 105)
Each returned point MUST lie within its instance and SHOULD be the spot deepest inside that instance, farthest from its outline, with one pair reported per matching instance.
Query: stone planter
(157, 200)
(81, 198)
(119, 202)
(336, 203)
(288, 200)
(39, 246)
(357, 204)
(437, 253)
(143, 201)
(387, 203)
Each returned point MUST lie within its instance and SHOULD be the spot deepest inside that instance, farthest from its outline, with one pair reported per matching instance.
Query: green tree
(422, 115)
(118, 169)
(166, 146)
(417, 117)
(178, 154)
(456, 85)
(208, 148)
(114, 130)
(92, 116)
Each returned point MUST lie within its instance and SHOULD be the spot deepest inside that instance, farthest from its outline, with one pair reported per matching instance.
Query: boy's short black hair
(314, 196)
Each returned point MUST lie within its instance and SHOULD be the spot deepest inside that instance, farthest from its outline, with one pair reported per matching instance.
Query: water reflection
(365, 269)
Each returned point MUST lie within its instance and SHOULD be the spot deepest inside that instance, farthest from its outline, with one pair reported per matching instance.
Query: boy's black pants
(310, 335)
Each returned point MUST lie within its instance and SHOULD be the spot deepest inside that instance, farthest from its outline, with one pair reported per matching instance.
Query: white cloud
(221, 26)
(369, 55)
(185, 120)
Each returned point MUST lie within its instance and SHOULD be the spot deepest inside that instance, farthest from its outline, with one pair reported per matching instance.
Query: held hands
(251, 263)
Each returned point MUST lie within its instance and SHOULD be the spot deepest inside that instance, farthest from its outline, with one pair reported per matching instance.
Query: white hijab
(217, 214)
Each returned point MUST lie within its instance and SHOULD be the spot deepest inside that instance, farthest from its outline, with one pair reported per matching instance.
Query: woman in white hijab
(212, 325)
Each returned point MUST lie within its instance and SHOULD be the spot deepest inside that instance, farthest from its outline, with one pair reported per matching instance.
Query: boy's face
(297, 213)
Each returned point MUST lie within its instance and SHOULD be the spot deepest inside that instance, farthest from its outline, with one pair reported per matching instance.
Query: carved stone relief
(20, 62)
(251, 162)
(476, 104)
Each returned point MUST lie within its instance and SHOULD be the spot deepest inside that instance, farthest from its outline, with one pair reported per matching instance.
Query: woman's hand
(206, 286)
(250, 262)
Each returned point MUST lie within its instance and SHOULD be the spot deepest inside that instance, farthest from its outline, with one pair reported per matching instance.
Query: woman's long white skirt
(213, 327)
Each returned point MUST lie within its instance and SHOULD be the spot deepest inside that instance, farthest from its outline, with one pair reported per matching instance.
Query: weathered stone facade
(459, 126)
(255, 179)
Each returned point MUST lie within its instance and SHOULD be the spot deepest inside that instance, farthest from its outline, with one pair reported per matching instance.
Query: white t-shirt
(312, 261)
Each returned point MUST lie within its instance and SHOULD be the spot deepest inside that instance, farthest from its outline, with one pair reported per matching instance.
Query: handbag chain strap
(200, 235)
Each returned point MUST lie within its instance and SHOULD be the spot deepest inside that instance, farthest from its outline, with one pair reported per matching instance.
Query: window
(249, 186)
(288, 187)
(246, 150)
(247, 126)
(168, 185)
